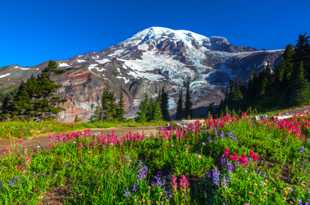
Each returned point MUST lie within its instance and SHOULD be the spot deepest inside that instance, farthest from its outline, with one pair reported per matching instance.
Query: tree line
(286, 85)
(35, 98)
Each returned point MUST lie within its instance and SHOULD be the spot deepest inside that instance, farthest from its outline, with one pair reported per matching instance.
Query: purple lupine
(209, 139)
(222, 134)
(142, 172)
(168, 193)
(300, 202)
(13, 181)
(127, 193)
(232, 136)
(134, 188)
(302, 149)
(214, 175)
(215, 132)
(158, 181)
(223, 160)
(225, 181)
(230, 167)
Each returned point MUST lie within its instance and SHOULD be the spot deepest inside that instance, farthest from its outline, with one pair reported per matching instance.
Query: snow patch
(5, 75)
(103, 61)
(80, 60)
(126, 80)
(63, 65)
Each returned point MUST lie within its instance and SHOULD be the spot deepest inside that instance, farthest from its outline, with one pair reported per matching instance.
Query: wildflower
(127, 193)
(168, 193)
(243, 160)
(302, 149)
(209, 139)
(214, 175)
(232, 136)
(223, 160)
(142, 172)
(13, 181)
(230, 167)
(234, 157)
(253, 155)
(222, 134)
(158, 181)
(179, 133)
(134, 188)
(183, 182)
(226, 152)
(225, 181)
(174, 183)
(215, 132)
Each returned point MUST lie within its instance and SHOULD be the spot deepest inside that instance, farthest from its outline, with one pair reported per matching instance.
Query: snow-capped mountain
(144, 63)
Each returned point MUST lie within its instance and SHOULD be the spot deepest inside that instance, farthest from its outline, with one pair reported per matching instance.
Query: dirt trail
(43, 141)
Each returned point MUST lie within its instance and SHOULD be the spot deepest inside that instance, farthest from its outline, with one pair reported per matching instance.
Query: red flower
(234, 157)
(243, 160)
(253, 155)
(183, 182)
(174, 183)
(226, 152)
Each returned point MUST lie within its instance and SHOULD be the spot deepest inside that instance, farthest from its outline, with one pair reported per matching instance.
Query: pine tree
(300, 90)
(120, 107)
(52, 67)
(156, 113)
(6, 107)
(108, 107)
(179, 113)
(164, 104)
(188, 101)
(302, 53)
(142, 114)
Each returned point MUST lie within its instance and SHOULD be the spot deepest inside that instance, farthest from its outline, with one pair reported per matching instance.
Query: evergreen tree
(120, 107)
(302, 53)
(179, 113)
(164, 104)
(35, 98)
(300, 90)
(6, 107)
(108, 107)
(142, 114)
(52, 67)
(188, 101)
(155, 113)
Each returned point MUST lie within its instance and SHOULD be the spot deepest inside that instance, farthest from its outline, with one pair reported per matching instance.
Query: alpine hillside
(143, 64)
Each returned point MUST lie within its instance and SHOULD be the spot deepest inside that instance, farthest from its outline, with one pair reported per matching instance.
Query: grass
(27, 129)
(190, 169)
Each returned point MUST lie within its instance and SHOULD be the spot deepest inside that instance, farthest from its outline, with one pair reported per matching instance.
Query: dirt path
(43, 141)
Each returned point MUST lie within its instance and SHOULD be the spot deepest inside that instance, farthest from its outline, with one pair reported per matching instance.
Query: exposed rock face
(143, 64)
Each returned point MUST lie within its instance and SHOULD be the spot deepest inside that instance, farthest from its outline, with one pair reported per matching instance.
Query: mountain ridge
(150, 59)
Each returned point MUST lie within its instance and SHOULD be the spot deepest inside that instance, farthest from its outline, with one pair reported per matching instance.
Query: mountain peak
(162, 33)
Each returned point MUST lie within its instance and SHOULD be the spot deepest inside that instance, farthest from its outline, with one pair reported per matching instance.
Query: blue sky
(33, 31)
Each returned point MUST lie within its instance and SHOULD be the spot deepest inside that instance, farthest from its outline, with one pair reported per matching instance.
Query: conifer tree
(179, 113)
(188, 101)
(108, 107)
(156, 113)
(120, 107)
(164, 104)
(142, 114)
(300, 90)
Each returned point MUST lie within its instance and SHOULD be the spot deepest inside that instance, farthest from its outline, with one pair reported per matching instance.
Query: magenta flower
(174, 183)
(183, 182)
